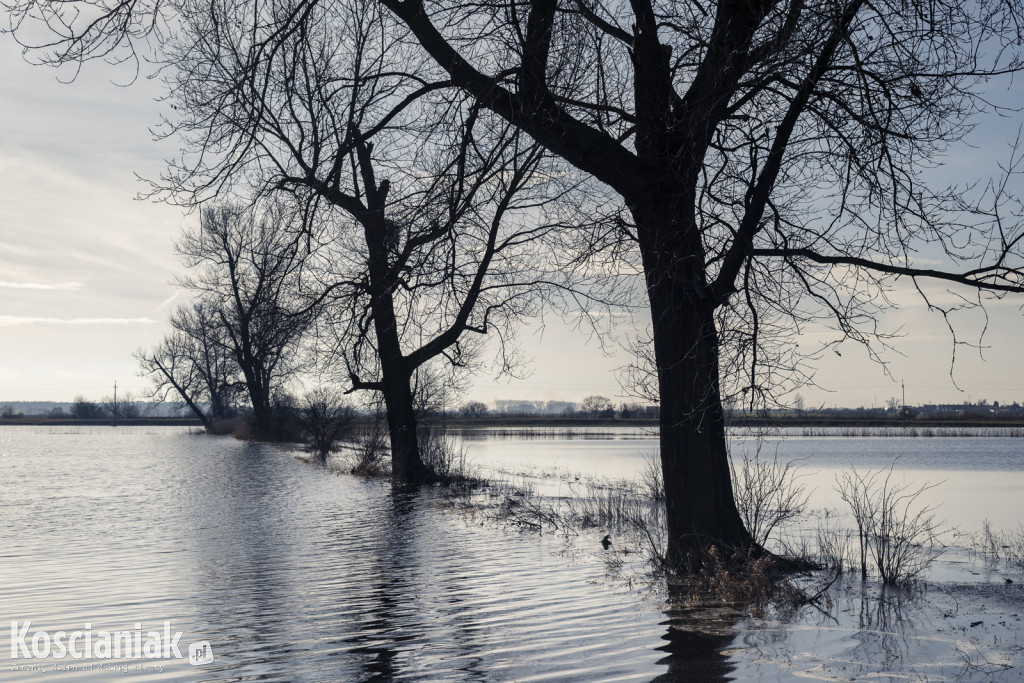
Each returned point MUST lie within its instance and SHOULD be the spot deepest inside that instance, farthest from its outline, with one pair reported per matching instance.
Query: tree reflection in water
(696, 643)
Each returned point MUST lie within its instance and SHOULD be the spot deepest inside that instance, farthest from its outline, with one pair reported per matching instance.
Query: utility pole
(115, 402)
(903, 408)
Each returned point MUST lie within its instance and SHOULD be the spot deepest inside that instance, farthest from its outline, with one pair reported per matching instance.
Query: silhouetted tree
(597, 406)
(771, 155)
(123, 408)
(628, 411)
(194, 364)
(428, 217)
(473, 409)
(245, 268)
(326, 418)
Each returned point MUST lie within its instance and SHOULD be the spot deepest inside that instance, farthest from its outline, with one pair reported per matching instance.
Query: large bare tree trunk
(700, 508)
(407, 467)
(259, 397)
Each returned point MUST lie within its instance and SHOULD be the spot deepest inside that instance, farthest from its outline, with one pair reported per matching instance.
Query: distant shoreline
(102, 422)
(574, 422)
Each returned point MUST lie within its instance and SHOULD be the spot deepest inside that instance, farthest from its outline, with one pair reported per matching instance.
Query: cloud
(14, 320)
(39, 285)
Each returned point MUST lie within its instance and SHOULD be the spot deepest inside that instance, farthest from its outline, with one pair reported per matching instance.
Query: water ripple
(291, 573)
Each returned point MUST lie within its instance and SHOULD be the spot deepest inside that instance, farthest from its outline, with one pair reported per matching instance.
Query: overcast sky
(85, 267)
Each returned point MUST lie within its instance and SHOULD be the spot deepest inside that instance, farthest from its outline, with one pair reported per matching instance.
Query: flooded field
(977, 477)
(293, 573)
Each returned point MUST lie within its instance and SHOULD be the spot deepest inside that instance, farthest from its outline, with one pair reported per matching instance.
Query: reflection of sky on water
(977, 478)
(295, 574)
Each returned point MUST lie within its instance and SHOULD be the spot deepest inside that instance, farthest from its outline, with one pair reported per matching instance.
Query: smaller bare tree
(129, 406)
(246, 264)
(124, 407)
(326, 417)
(473, 409)
(193, 365)
(597, 406)
(84, 409)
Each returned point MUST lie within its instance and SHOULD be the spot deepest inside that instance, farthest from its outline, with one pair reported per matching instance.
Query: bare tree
(326, 418)
(130, 409)
(473, 409)
(246, 267)
(123, 406)
(193, 364)
(772, 156)
(428, 215)
(597, 406)
(84, 409)
(437, 210)
(446, 263)
(111, 407)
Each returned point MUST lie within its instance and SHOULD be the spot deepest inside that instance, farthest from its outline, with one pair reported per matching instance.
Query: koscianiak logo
(86, 644)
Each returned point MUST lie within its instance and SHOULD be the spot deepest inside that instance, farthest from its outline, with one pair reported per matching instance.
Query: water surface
(292, 573)
(975, 478)
(296, 574)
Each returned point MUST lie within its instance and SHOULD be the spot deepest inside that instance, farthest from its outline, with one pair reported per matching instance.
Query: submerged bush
(744, 580)
(371, 448)
(897, 534)
(445, 456)
(326, 418)
(1007, 545)
(768, 493)
(651, 478)
(833, 543)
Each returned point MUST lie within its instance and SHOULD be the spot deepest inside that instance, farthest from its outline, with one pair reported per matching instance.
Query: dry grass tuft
(447, 458)
(370, 450)
(743, 580)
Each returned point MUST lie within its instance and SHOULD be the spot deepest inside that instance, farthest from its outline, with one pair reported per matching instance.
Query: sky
(85, 267)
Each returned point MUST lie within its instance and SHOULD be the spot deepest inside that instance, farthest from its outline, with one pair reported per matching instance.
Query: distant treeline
(37, 421)
(84, 409)
(594, 411)
(980, 411)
